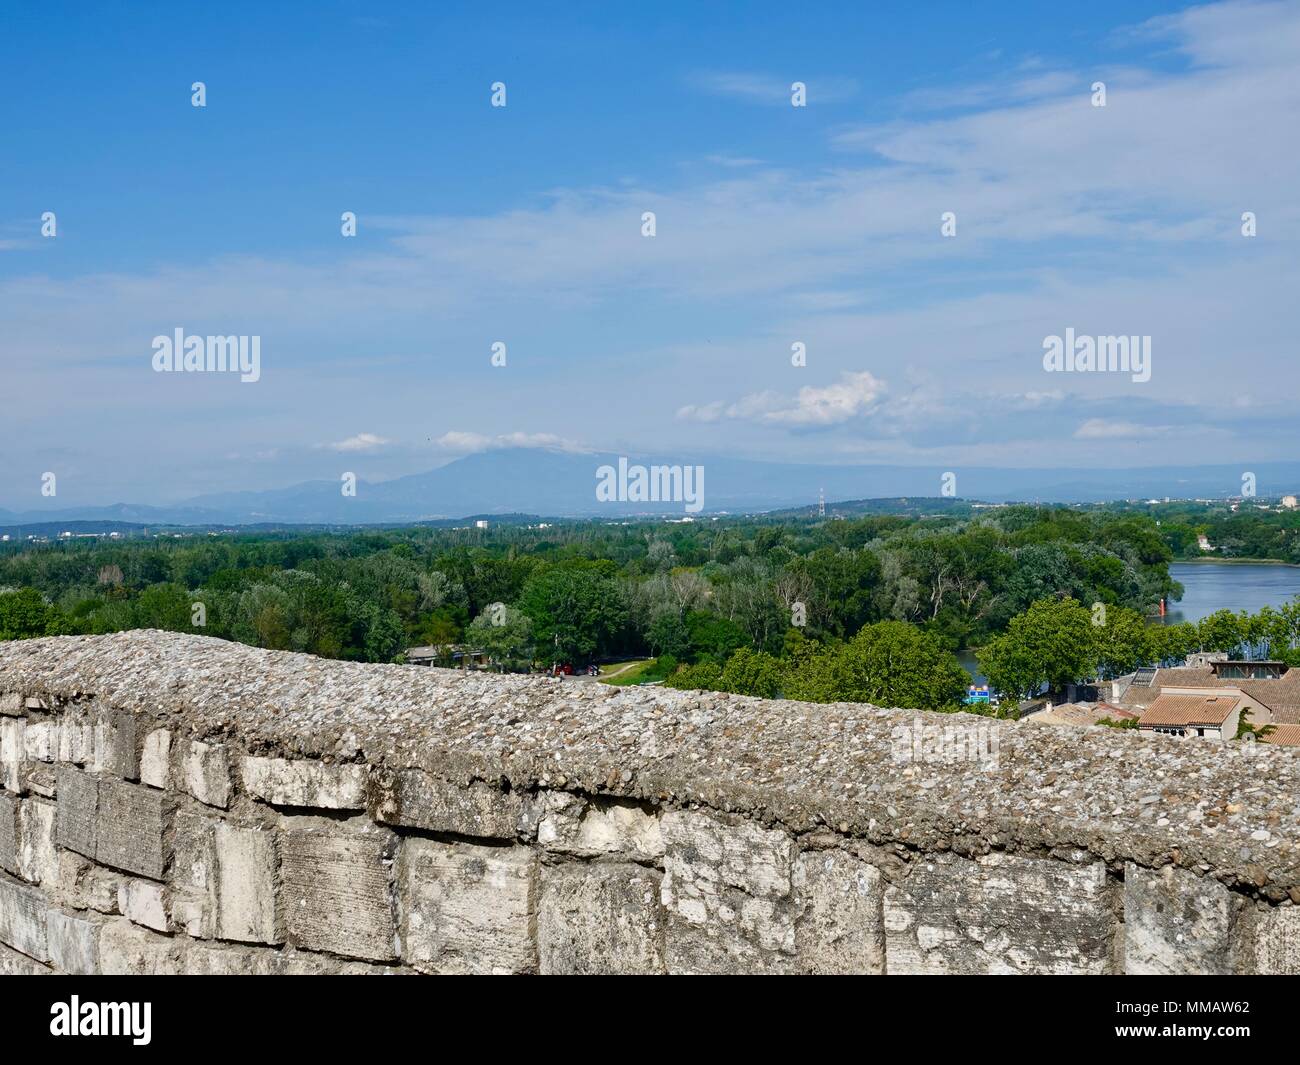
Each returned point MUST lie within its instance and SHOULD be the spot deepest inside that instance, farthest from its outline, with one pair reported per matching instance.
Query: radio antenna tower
(821, 503)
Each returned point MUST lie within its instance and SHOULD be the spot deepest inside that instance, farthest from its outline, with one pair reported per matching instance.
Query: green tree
(24, 614)
(1053, 642)
(577, 613)
(890, 663)
(506, 634)
(750, 672)
(1123, 642)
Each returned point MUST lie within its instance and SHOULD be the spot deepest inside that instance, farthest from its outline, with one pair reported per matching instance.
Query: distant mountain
(509, 483)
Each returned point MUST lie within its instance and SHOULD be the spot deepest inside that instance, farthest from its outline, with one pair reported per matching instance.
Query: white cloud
(854, 396)
(360, 442)
(466, 442)
(772, 89)
(1108, 429)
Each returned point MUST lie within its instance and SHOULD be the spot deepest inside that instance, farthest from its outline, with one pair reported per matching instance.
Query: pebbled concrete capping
(178, 804)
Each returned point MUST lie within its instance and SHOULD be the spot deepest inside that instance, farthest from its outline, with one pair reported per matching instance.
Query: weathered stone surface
(840, 902)
(76, 738)
(600, 919)
(141, 901)
(1176, 922)
(207, 773)
(247, 873)
(12, 752)
(305, 783)
(41, 741)
(115, 749)
(126, 949)
(38, 857)
(601, 828)
(155, 761)
(726, 889)
(999, 914)
(22, 919)
(9, 804)
(415, 799)
(336, 891)
(130, 827)
(1270, 941)
(13, 963)
(467, 908)
(78, 811)
(73, 944)
(11, 703)
(83, 885)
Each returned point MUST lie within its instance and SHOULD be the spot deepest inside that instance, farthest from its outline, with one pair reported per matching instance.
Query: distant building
(1290, 502)
(1203, 542)
(1210, 715)
(1080, 715)
(1270, 691)
(481, 524)
(454, 655)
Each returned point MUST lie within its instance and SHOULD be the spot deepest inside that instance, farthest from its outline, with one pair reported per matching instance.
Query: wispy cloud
(468, 442)
(360, 442)
(772, 90)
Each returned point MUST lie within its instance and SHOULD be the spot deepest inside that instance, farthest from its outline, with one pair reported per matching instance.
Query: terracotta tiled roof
(1283, 735)
(1281, 696)
(1189, 710)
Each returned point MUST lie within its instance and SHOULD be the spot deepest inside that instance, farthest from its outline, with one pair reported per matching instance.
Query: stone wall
(177, 804)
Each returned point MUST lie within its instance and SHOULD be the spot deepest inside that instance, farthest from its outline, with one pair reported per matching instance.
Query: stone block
(600, 920)
(194, 904)
(9, 806)
(155, 760)
(83, 885)
(76, 739)
(38, 856)
(1000, 914)
(22, 919)
(12, 704)
(73, 944)
(115, 749)
(601, 828)
(840, 903)
(415, 799)
(41, 741)
(126, 949)
(467, 908)
(1176, 922)
(13, 751)
(305, 783)
(336, 892)
(130, 828)
(12, 963)
(141, 901)
(207, 773)
(727, 893)
(1270, 941)
(247, 875)
(78, 811)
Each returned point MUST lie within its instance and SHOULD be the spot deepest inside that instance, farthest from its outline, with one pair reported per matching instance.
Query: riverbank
(1206, 560)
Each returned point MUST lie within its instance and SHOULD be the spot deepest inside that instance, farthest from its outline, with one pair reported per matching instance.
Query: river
(1211, 586)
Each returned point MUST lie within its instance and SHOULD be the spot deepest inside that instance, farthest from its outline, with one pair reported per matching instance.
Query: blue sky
(775, 224)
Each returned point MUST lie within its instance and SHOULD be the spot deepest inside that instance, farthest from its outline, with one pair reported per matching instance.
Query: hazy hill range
(563, 484)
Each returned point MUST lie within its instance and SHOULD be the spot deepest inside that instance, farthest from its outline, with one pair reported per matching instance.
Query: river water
(1211, 586)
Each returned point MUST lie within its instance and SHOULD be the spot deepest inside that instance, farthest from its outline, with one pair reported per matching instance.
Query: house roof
(1189, 710)
(1080, 714)
(1281, 695)
(1283, 736)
